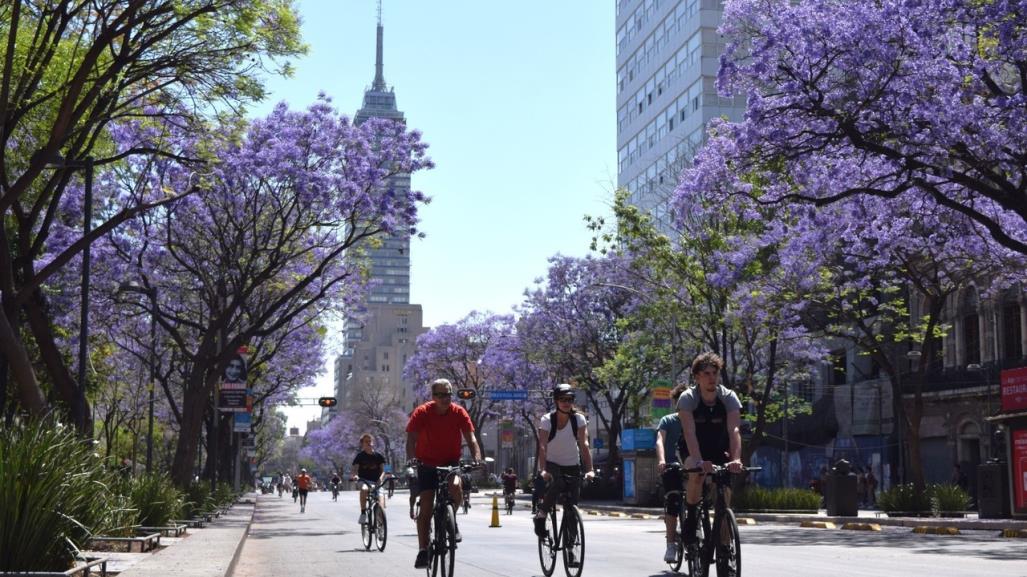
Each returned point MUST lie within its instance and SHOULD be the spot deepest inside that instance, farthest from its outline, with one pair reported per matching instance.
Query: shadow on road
(981, 544)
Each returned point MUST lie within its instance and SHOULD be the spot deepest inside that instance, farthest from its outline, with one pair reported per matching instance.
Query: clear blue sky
(517, 102)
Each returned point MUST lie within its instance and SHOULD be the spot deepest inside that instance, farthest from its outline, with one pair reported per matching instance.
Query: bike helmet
(563, 390)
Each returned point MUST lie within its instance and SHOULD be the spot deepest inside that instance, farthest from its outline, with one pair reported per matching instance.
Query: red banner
(1019, 454)
(1014, 390)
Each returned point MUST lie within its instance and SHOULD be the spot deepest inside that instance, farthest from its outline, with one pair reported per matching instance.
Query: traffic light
(465, 394)
(327, 401)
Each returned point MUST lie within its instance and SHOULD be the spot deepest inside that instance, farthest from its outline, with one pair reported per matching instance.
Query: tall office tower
(667, 59)
(379, 339)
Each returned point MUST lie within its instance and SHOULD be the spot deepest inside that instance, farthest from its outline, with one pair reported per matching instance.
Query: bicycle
(509, 496)
(465, 481)
(706, 549)
(335, 491)
(375, 526)
(568, 536)
(442, 526)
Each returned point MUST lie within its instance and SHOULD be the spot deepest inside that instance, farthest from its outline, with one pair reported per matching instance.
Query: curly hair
(707, 359)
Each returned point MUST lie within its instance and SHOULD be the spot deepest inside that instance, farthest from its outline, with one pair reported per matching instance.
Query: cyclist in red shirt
(303, 485)
(434, 434)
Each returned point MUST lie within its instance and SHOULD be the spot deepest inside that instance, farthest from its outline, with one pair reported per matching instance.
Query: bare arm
(411, 444)
(661, 438)
(541, 465)
(688, 432)
(586, 454)
(472, 444)
(734, 435)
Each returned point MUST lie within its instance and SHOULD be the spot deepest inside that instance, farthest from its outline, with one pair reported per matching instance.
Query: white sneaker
(672, 553)
(363, 518)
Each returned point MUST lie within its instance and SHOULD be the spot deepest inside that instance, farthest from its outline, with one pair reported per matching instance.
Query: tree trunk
(194, 408)
(66, 386)
(30, 395)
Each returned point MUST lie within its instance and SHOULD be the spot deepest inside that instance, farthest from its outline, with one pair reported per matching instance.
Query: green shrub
(156, 499)
(223, 495)
(197, 499)
(904, 499)
(55, 493)
(948, 499)
(754, 498)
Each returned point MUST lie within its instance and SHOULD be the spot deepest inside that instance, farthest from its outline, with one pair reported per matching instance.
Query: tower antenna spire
(379, 76)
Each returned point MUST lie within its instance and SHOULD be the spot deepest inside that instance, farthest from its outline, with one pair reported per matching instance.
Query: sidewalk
(208, 552)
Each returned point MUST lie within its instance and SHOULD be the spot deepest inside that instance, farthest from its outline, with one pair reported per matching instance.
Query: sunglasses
(565, 400)
(442, 395)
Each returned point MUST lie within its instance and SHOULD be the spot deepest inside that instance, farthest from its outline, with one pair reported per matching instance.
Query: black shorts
(303, 492)
(428, 478)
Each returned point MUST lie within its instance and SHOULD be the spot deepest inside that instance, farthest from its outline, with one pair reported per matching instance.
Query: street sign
(508, 395)
(241, 423)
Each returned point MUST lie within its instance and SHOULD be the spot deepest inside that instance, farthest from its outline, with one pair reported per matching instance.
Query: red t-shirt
(439, 437)
(303, 482)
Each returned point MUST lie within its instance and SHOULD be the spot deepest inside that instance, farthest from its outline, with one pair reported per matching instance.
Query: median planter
(88, 567)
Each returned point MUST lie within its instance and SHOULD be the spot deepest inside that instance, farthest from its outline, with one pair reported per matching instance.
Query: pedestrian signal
(327, 401)
(465, 394)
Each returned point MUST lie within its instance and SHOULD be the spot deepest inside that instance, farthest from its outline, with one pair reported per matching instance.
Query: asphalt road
(325, 541)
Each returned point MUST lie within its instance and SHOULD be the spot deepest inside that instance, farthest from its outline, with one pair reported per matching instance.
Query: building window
(1013, 349)
(839, 367)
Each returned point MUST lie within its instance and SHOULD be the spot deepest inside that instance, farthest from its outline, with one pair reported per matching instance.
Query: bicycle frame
(712, 535)
(569, 520)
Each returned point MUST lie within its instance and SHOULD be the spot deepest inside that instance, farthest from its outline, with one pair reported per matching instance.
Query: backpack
(552, 425)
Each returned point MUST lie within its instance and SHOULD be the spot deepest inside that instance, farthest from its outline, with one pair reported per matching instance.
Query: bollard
(495, 512)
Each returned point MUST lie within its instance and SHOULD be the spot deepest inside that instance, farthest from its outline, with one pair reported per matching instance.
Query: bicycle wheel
(509, 505)
(381, 526)
(445, 551)
(547, 545)
(729, 547)
(573, 541)
(694, 555)
(433, 562)
(366, 530)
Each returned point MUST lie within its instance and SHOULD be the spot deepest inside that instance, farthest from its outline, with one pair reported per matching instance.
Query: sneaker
(672, 553)
(363, 518)
(303, 509)
(540, 525)
(422, 559)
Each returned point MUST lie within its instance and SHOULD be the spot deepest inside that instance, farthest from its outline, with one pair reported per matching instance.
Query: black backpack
(552, 425)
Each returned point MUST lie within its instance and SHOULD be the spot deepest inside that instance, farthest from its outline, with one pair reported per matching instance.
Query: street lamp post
(153, 378)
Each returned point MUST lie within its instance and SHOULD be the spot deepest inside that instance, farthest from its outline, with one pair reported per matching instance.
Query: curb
(818, 524)
(245, 534)
(862, 526)
(1014, 533)
(923, 530)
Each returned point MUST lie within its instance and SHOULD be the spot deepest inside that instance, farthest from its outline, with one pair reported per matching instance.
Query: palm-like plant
(56, 493)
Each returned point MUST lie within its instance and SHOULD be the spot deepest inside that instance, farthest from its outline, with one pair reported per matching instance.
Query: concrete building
(667, 61)
(379, 339)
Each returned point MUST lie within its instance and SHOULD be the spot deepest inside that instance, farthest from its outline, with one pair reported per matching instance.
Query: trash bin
(840, 493)
(992, 490)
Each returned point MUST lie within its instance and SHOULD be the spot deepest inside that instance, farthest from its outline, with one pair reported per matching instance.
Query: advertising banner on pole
(506, 434)
(661, 402)
(1019, 455)
(1014, 390)
(232, 398)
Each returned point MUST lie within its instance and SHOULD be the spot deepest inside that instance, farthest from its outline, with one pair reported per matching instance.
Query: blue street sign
(508, 395)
